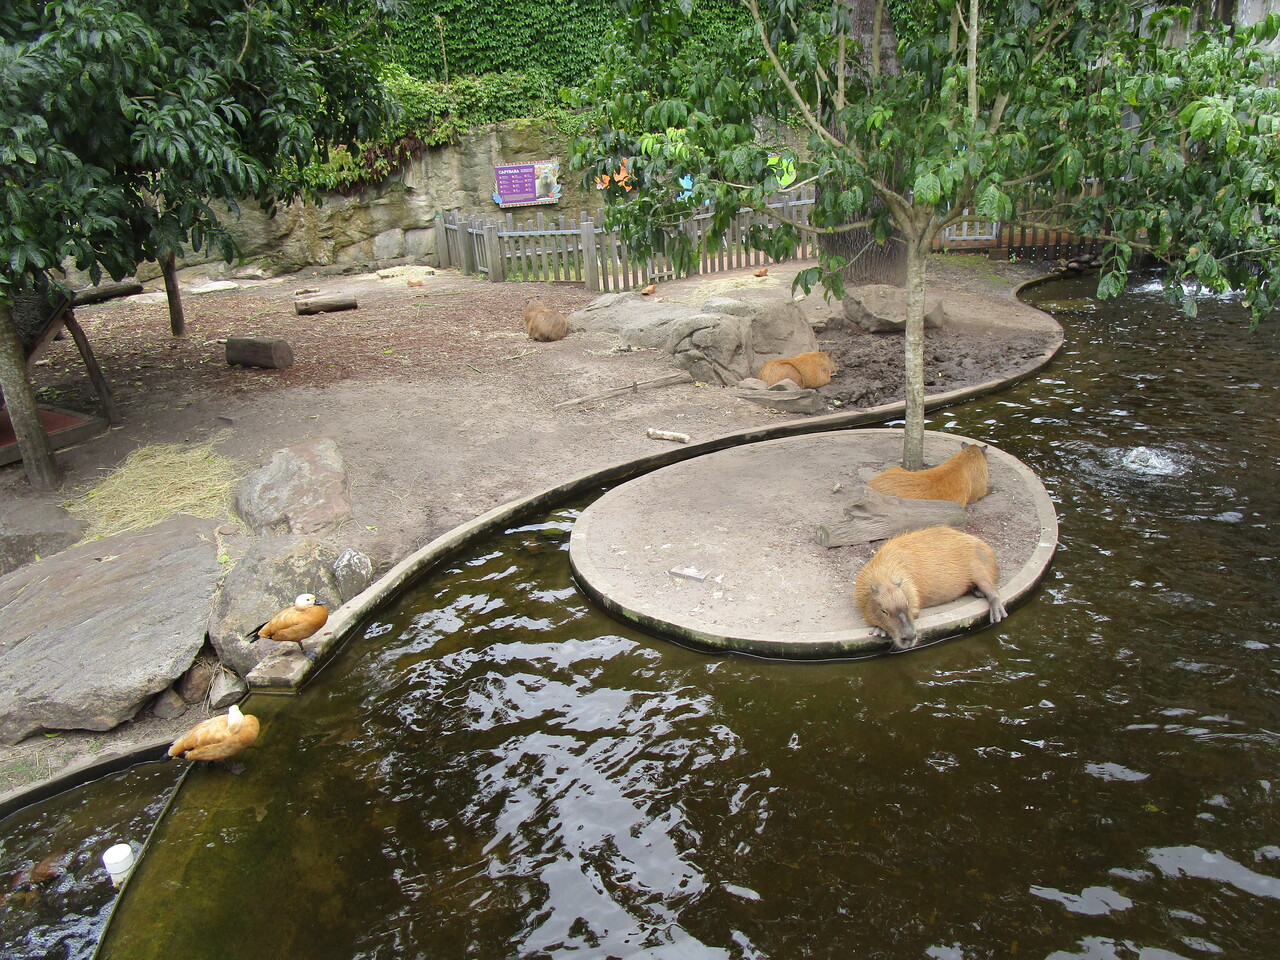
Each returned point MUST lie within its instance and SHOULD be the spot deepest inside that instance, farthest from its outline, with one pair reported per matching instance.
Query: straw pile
(155, 483)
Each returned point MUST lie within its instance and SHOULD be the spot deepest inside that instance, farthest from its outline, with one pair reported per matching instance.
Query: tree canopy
(126, 120)
(991, 109)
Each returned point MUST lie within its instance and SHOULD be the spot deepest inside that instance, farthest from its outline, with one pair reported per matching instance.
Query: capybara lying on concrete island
(542, 323)
(921, 569)
(807, 370)
(962, 478)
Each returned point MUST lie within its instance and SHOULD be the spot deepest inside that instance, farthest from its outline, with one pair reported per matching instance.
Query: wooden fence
(579, 250)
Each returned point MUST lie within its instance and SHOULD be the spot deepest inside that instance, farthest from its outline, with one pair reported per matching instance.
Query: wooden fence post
(591, 261)
(466, 246)
(493, 250)
(442, 243)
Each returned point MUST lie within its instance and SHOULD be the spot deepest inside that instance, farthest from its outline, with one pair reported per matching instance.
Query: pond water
(496, 769)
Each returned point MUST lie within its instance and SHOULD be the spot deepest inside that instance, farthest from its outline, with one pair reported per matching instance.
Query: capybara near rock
(807, 370)
(962, 478)
(921, 569)
(542, 323)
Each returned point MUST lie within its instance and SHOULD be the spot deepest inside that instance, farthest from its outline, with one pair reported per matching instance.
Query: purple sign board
(524, 184)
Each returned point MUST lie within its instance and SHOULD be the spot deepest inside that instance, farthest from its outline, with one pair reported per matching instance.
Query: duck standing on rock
(218, 738)
(294, 624)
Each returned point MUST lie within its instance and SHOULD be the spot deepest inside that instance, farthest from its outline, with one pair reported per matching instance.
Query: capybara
(920, 569)
(807, 371)
(542, 323)
(962, 478)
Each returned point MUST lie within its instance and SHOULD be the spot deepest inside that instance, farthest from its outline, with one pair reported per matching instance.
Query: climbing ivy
(446, 39)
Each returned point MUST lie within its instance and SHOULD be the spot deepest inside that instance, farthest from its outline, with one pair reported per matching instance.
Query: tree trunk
(913, 379)
(177, 319)
(24, 413)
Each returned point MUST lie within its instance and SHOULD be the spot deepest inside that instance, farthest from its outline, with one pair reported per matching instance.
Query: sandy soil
(441, 407)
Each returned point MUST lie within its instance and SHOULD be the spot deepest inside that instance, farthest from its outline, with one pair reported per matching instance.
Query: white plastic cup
(119, 861)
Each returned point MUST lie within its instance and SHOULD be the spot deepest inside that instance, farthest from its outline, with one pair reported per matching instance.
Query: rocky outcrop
(266, 580)
(303, 490)
(723, 343)
(31, 531)
(88, 637)
(879, 308)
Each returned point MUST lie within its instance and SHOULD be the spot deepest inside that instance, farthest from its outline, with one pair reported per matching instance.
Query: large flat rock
(87, 637)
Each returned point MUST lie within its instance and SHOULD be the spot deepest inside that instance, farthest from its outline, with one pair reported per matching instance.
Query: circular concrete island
(722, 551)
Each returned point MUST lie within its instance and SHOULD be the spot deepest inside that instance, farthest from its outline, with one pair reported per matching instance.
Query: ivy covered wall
(445, 39)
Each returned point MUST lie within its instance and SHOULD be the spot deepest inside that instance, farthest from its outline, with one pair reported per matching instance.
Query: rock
(778, 329)
(789, 401)
(193, 685)
(752, 383)
(302, 490)
(786, 384)
(880, 308)
(29, 531)
(637, 321)
(226, 689)
(214, 286)
(89, 636)
(734, 308)
(265, 581)
(712, 347)
(353, 572)
(169, 704)
(725, 343)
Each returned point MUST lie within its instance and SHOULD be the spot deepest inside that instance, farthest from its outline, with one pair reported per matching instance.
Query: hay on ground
(155, 483)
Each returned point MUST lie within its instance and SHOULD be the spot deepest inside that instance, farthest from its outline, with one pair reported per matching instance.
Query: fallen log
(668, 380)
(106, 291)
(879, 517)
(256, 352)
(325, 303)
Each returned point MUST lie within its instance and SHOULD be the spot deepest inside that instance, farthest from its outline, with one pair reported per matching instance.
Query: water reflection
(495, 769)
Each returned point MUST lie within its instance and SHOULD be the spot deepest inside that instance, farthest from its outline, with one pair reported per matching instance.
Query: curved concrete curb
(344, 621)
(721, 553)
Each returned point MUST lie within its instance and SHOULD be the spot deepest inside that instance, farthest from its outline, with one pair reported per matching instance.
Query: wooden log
(325, 303)
(109, 408)
(255, 352)
(107, 291)
(879, 517)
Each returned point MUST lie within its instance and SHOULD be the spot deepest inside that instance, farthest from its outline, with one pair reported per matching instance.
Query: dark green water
(496, 770)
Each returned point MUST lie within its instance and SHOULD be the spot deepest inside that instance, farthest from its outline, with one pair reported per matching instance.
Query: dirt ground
(441, 407)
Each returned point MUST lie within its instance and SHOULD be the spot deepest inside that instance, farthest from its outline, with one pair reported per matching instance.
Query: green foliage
(127, 118)
(432, 113)
(1184, 142)
(446, 39)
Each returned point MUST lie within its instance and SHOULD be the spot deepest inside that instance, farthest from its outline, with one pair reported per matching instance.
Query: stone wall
(396, 218)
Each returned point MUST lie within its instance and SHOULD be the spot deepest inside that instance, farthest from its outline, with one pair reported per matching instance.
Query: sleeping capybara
(921, 569)
(542, 323)
(807, 370)
(962, 478)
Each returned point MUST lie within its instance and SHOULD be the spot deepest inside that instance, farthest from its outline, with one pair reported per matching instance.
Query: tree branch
(814, 124)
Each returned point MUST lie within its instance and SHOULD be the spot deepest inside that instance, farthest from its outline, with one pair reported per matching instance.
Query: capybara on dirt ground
(921, 569)
(962, 478)
(542, 323)
(807, 370)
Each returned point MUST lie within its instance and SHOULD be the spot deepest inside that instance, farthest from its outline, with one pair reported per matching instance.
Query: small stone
(353, 572)
(169, 704)
(786, 384)
(227, 688)
(194, 684)
(752, 383)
